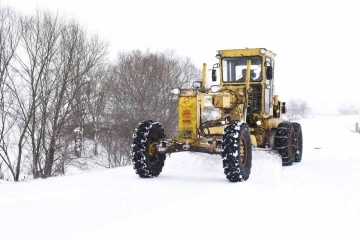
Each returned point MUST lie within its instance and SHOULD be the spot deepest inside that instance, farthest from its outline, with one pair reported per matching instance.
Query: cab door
(269, 84)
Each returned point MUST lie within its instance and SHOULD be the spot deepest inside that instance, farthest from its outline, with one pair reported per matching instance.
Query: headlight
(215, 88)
(175, 91)
(258, 122)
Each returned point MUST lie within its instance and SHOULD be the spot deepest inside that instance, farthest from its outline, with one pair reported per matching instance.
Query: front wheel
(147, 161)
(298, 142)
(285, 142)
(237, 151)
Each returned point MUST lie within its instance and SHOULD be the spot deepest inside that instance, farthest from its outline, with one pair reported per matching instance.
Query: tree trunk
(49, 161)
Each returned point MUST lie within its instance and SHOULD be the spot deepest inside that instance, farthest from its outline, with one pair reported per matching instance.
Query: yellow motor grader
(249, 118)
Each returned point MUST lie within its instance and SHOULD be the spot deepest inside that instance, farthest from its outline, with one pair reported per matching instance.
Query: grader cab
(250, 118)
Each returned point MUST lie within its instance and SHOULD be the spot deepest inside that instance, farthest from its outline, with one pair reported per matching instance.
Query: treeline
(62, 101)
(297, 109)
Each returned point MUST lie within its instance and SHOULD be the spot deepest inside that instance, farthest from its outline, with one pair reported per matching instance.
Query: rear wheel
(237, 151)
(285, 142)
(147, 161)
(298, 142)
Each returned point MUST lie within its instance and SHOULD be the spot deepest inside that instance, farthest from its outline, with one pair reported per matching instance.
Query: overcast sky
(316, 41)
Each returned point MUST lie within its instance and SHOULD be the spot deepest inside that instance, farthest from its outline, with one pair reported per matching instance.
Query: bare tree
(33, 84)
(139, 89)
(348, 109)
(9, 39)
(297, 108)
(77, 57)
(95, 101)
(1, 172)
(54, 80)
(115, 146)
(88, 111)
(142, 84)
(52, 68)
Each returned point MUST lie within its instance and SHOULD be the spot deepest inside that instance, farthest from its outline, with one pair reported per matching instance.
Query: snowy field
(318, 198)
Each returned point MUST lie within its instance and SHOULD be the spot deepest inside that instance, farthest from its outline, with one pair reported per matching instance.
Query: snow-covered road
(318, 198)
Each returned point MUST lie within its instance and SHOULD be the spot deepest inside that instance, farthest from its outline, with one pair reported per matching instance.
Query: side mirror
(213, 74)
(283, 107)
(269, 72)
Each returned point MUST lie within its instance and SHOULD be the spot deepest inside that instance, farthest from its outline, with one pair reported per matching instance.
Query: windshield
(234, 69)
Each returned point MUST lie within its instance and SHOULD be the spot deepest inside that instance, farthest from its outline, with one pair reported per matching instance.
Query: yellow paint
(245, 52)
(247, 81)
(222, 101)
(217, 130)
(152, 149)
(276, 100)
(203, 77)
(187, 116)
(253, 140)
(192, 104)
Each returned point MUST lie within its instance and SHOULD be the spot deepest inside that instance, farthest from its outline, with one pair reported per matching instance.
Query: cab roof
(246, 52)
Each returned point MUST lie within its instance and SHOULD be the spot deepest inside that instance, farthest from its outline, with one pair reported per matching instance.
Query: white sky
(315, 40)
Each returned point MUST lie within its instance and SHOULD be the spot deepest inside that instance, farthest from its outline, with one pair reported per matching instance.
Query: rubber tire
(285, 142)
(235, 133)
(147, 166)
(298, 142)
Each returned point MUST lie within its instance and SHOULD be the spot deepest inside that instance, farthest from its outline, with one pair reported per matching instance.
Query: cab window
(234, 69)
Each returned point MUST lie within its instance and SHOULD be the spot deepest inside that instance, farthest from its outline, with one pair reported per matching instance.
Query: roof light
(218, 55)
